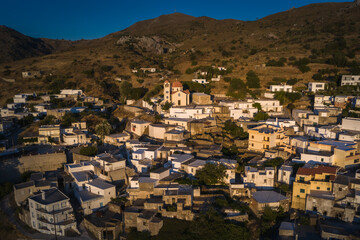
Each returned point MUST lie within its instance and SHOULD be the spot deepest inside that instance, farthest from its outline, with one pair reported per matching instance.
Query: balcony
(60, 223)
(42, 210)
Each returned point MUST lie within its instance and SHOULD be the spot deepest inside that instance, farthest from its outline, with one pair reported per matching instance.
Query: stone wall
(42, 162)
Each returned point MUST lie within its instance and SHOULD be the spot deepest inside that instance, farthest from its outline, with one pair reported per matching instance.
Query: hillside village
(156, 137)
(179, 154)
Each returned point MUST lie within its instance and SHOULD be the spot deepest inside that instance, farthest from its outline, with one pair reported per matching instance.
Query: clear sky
(89, 19)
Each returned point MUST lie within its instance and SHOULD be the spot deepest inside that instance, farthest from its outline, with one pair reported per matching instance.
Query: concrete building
(76, 137)
(138, 127)
(200, 81)
(68, 92)
(265, 137)
(151, 70)
(316, 86)
(158, 130)
(315, 178)
(254, 177)
(339, 153)
(197, 112)
(262, 199)
(352, 124)
(183, 122)
(350, 80)
(281, 88)
(284, 174)
(117, 139)
(49, 134)
(50, 212)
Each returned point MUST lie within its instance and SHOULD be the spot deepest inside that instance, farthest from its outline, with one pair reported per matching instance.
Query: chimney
(42, 195)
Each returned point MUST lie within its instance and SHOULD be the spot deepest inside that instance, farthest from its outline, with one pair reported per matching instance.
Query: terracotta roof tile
(317, 170)
(177, 84)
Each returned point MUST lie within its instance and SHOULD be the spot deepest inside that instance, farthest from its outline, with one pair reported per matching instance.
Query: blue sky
(89, 19)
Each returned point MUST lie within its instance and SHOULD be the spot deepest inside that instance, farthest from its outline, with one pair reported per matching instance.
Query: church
(175, 94)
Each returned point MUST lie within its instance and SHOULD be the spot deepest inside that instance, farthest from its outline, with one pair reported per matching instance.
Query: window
(340, 189)
(356, 160)
(328, 189)
(265, 181)
(317, 188)
(302, 190)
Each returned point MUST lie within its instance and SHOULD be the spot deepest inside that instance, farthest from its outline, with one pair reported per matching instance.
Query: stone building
(274, 200)
(105, 224)
(201, 98)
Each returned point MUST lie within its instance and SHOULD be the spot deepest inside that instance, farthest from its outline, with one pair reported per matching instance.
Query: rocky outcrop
(152, 44)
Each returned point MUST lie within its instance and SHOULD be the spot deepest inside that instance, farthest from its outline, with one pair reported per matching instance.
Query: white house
(316, 86)
(281, 88)
(350, 80)
(152, 70)
(284, 174)
(51, 211)
(76, 92)
(253, 177)
(138, 127)
(177, 160)
(201, 81)
(320, 157)
(349, 123)
(198, 112)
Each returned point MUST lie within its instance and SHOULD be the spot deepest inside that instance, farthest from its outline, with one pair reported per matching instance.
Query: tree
(166, 106)
(252, 80)
(211, 174)
(235, 130)
(261, 116)
(257, 105)
(89, 151)
(103, 129)
(237, 89)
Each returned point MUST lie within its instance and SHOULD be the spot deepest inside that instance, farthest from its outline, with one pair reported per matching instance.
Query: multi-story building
(317, 177)
(316, 86)
(350, 80)
(254, 177)
(264, 137)
(284, 174)
(339, 153)
(49, 133)
(51, 211)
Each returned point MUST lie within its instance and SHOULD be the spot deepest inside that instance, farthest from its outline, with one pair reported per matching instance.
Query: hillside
(326, 34)
(16, 46)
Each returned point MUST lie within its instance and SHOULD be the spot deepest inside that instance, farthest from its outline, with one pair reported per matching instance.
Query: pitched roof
(317, 170)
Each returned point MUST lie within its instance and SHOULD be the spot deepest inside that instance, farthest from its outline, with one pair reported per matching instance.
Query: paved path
(6, 208)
